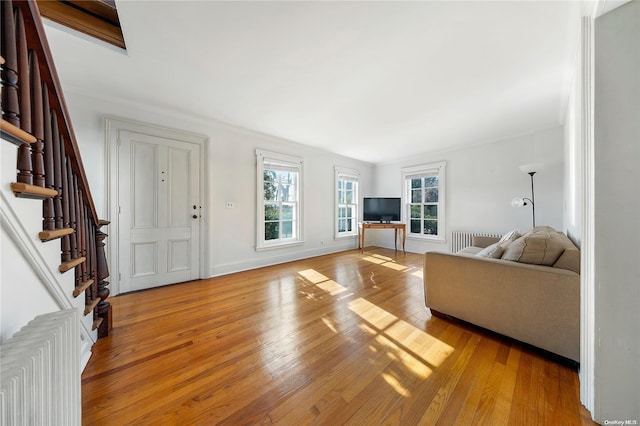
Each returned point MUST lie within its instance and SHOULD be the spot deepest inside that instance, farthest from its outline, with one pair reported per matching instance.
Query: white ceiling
(376, 81)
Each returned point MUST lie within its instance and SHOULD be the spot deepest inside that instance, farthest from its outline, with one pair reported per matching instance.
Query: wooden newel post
(104, 307)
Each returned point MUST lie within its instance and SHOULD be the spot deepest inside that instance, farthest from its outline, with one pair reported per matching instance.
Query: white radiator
(40, 372)
(462, 239)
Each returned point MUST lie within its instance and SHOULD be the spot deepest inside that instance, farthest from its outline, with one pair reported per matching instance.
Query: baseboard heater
(462, 239)
(40, 372)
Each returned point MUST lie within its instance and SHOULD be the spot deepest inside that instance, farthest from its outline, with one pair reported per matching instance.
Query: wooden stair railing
(49, 166)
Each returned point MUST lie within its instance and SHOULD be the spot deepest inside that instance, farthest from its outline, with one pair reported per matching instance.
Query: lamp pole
(533, 200)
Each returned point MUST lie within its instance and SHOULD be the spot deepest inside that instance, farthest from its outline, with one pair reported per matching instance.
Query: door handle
(194, 216)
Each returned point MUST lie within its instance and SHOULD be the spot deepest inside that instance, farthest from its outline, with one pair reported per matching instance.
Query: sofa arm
(482, 241)
(538, 305)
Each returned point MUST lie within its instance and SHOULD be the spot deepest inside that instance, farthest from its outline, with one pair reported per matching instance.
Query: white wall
(482, 180)
(22, 294)
(617, 209)
(573, 186)
(231, 177)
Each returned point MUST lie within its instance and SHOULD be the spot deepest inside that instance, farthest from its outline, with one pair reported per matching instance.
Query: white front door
(159, 211)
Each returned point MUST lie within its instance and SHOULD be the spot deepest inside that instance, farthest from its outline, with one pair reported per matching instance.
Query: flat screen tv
(380, 209)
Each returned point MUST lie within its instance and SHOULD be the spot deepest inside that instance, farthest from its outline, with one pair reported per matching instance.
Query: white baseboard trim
(246, 265)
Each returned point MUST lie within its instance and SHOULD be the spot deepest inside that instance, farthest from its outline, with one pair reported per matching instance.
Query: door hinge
(119, 276)
(119, 209)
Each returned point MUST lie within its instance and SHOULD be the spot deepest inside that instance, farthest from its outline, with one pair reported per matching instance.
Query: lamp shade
(533, 167)
(518, 202)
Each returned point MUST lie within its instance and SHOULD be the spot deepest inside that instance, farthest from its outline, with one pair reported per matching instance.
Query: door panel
(144, 193)
(158, 187)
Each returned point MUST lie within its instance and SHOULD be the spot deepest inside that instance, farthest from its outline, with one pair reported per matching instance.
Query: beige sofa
(533, 303)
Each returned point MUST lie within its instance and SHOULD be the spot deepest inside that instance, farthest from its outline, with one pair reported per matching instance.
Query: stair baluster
(49, 167)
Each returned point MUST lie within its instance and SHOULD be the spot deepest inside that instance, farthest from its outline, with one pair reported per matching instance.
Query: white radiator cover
(40, 372)
(462, 239)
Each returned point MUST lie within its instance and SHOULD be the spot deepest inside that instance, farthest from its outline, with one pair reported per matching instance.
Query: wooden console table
(395, 226)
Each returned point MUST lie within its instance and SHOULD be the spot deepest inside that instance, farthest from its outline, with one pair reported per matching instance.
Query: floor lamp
(521, 202)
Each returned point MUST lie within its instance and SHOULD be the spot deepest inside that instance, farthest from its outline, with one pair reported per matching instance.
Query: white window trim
(350, 173)
(440, 167)
(261, 156)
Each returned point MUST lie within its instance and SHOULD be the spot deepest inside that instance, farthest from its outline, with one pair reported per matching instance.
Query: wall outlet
(230, 204)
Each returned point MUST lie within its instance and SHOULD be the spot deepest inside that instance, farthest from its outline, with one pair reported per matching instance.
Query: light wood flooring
(338, 339)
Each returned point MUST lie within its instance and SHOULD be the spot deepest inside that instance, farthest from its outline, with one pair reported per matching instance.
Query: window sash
(424, 201)
(347, 202)
(280, 200)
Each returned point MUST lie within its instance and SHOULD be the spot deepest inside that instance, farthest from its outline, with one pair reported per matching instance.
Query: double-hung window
(346, 202)
(424, 200)
(279, 181)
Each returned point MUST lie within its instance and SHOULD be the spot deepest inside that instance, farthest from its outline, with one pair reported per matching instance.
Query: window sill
(345, 237)
(430, 238)
(280, 245)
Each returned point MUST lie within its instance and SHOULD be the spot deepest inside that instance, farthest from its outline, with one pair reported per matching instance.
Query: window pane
(431, 212)
(340, 184)
(271, 231)
(287, 211)
(287, 229)
(349, 225)
(414, 226)
(416, 212)
(430, 181)
(431, 195)
(341, 225)
(349, 197)
(431, 227)
(349, 211)
(269, 175)
(285, 177)
(416, 183)
(270, 191)
(341, 196)
(416, 195)
(271, 212)
(342, 211)
(288, 192)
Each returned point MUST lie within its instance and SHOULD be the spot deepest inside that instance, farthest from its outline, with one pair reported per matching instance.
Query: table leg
(395, 238)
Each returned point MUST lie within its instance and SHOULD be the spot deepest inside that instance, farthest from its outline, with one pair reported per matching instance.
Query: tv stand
(362, 226)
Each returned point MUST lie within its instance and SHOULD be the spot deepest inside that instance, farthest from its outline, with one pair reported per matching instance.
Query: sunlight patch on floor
(329, 325)
(331, 287)
(373, 260)
(401, 342)
(417, 350)
(385, 261)
(396, 385)
(313, 276)
(418, 274)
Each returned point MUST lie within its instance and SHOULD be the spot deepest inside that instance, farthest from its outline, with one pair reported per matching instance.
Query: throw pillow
(494, 251)
(538, 247)
(510, 236)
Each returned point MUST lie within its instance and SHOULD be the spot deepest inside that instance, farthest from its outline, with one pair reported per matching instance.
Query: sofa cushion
(509, 237)
(541, 246)
(494, 251)
(470, 250)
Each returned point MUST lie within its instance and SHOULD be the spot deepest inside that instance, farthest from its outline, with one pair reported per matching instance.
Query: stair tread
(24, 190)
(57, 233)
(14, 134)
(66, 266)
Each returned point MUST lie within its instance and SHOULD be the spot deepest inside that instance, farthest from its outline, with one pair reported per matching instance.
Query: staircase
(47, 208)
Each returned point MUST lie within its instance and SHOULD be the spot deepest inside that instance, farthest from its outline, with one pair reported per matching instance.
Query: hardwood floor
(337, 339)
